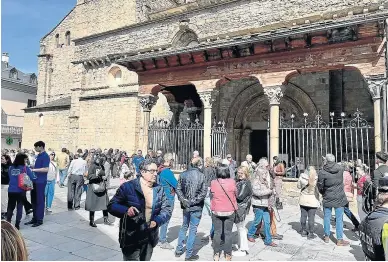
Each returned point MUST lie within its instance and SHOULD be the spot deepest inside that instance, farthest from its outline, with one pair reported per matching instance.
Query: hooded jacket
(331, 185)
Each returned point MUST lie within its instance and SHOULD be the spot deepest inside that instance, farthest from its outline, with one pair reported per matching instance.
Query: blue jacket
(42, 161)
(168, 182)
(14, 173)
(136, 161)
(135, 230)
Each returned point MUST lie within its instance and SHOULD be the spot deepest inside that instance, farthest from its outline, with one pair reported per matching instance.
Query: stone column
(207, 100)
(146, 102)
(274, 94)
(375, 85)
(237, 144)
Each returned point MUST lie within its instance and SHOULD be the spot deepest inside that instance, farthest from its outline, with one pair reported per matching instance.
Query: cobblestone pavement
(67, 236)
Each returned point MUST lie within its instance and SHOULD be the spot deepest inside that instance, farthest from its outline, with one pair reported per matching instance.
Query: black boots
(91, 219)
(107, 221)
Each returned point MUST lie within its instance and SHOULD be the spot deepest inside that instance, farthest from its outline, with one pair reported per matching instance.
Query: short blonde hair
(13, 247)
(245, 170)
(209, 162)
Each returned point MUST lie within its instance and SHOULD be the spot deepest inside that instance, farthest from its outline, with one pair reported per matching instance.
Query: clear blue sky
(24, 23)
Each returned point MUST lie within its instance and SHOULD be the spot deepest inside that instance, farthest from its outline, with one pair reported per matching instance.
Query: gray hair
(197, 162)
(168, 157)
(263, 162)
(330, 158)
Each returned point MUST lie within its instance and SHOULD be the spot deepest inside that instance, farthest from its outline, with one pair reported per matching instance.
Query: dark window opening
(67, 38)
(31, 103)
(57, 40)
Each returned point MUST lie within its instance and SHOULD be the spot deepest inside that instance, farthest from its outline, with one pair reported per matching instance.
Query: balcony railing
(11, 130)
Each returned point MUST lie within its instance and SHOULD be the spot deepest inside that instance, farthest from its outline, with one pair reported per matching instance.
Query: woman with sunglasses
(52, 176)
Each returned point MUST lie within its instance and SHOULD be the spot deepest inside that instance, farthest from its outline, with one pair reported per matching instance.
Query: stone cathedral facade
(111, 66)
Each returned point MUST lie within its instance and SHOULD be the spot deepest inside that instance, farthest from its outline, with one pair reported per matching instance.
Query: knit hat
(383, 184)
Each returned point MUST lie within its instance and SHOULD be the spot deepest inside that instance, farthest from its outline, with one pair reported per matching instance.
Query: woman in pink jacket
(223, 206)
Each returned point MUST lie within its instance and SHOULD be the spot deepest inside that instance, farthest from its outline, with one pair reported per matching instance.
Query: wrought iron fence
(183, 139)
(180, 140)
(219, 138)
(304, 144)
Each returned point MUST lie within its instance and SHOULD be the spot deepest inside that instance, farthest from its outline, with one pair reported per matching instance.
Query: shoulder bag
(24, 181)
(99, 187)
(237, 217)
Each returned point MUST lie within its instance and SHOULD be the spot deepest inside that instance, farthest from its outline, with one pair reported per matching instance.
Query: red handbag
(24, 181)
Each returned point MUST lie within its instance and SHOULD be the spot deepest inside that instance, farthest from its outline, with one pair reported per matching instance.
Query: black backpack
(368, 197)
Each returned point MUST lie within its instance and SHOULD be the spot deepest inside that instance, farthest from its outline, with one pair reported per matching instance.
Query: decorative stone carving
(375, 85)
(184, 38)
(147, 102)
(274, 94)
(207, 99)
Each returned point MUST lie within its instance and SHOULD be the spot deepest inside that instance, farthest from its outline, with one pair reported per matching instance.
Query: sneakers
(178, 254)
(251, 239)
(216, 257)
(228, 257)
(342, 243)
(48, 210)
(192, 258)
(166, 245)
(304, 233)
(277, 237)
(239, 253)
(310, 236)
(326, 239)
(273, 244)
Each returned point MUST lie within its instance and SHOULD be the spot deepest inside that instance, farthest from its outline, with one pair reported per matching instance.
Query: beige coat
(309, 196)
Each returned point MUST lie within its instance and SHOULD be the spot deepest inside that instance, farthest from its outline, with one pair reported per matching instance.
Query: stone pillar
(146, 102)
(274, 94)
(207, 100)
(237, 144)
(375, 85)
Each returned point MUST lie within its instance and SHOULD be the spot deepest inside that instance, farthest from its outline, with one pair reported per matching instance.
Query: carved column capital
(375, 85)
(274, 94)
(207, 99)
(147, 102)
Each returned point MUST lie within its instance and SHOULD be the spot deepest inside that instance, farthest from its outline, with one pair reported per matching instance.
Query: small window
(33, 79)
(31, 103)
(67, 36)
(118, 76)
(13, 73)
(57, 40)
(41, 119)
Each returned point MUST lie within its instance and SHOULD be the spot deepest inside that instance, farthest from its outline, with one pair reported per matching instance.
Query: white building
(18, 91)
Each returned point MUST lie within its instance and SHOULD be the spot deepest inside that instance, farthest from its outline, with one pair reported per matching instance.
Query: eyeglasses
(152, 171)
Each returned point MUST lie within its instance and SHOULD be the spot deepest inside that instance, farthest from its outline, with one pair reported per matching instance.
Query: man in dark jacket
(142, 207)
(191, 192)
(331, 186)
(382, 163)
(137, 160)
(371, 227)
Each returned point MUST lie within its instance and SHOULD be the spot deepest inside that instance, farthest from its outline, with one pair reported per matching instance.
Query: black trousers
(27, 204)
(74, 190)
(15, 200)
(223, 226)
(138, 253)
(91, 214)
(310, 213)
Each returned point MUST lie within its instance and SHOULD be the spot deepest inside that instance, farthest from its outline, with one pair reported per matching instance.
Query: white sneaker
(239, 253)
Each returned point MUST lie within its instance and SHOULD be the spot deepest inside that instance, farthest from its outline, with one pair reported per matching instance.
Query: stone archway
(249, 112)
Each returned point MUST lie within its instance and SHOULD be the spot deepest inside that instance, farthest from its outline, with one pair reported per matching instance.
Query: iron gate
(183, 139)
(304, 144)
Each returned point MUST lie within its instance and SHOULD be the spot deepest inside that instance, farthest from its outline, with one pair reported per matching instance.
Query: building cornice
(18, 86)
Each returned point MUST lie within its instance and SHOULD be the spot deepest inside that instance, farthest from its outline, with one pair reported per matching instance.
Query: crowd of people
(145, 200)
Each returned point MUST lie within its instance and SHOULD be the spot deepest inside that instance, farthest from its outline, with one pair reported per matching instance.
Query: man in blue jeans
(331, 186)
(191, 192)
(169, 184)
(40, 169)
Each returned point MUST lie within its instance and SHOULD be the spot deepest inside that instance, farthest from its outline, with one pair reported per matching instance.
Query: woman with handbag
(262, 201)
(16, 190)
(308, 201)
(97, 195)
(244, 197)
(224, 208)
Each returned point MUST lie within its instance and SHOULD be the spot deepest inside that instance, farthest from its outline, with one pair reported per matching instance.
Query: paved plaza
(66, 235)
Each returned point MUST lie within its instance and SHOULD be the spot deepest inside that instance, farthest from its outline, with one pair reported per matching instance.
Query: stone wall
(54, 130)
(218, 21)
(110, 122)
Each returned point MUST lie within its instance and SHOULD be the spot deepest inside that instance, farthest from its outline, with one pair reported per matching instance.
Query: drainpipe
(384, 91)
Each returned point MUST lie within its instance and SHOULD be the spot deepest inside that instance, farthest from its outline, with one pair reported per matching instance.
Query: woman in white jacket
(52, 176)
(308, 201)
